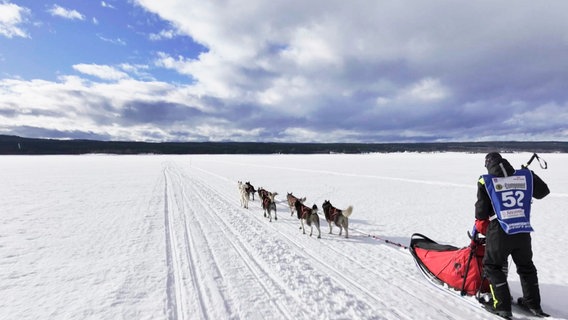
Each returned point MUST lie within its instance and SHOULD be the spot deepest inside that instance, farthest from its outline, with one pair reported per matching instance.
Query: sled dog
(292, 202)
(243, 194)
(337, 216)
(250, 190)
(310, 216)
(269, 205)
(262, 193)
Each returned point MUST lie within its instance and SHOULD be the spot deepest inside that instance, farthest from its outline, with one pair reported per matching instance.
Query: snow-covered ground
(164, 237)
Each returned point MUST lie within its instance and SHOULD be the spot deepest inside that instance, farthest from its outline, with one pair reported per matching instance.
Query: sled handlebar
(541, 162)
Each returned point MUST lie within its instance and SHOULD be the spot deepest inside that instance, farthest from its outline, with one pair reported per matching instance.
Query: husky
(262, 193)
(269, 205)
(249, 189)
(244, 195)
(310, 215)
(337, 216)
(292, 202)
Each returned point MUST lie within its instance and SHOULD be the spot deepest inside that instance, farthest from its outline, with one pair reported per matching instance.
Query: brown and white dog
(262, 193)
(292, 202)
(337, 216)
(310, 216)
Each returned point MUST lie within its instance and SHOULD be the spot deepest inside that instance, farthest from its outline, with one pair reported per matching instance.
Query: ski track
(280, 264)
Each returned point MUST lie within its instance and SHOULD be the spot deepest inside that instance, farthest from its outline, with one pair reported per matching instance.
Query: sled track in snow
(176, 291)
(344, 278)
(189, 295)
(256, 252)
(219, 255)
(171, 303)
(211, 301)
(262, 277)
(218, 197)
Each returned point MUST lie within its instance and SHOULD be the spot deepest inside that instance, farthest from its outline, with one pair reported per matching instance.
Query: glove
(473, 237)
(481, 225)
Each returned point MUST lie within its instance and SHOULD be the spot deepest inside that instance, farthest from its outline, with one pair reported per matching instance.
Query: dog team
(306, 215)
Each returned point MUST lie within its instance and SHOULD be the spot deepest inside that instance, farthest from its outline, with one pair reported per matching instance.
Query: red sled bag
(458, 268)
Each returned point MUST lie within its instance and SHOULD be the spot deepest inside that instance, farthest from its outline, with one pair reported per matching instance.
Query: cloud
(117, 41)
(100, 71)
(12, 17)
(164, 34)
(126, 109)
(438, 70)
(105, 4)
(59, 11)
(319, 71)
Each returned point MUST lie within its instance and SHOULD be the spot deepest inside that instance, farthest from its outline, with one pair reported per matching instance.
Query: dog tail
(347, 212)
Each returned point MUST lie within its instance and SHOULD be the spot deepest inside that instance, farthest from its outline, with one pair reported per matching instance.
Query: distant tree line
(13, 145)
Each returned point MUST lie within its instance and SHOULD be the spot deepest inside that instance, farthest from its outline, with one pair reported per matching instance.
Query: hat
(492, 158)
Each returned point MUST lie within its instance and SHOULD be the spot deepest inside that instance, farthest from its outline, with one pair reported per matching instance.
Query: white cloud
(11, 18)
(389, 67)
(101, 71)
(335, 70)
(164, 34)
(310, 47)
(117, 41)
(105, 4)
(299, 134)
(59, 11)
(74, 104)
(290, 92)
(213, 81)
(426, 90)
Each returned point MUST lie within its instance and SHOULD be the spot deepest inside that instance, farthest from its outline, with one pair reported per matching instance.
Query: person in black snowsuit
(500, 244)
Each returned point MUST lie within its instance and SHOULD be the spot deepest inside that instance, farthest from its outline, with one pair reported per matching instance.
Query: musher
(502, 214)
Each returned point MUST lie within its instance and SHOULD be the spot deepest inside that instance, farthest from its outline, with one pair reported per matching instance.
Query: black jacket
(483, 207)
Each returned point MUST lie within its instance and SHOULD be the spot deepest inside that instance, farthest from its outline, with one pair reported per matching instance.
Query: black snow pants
(499, 246)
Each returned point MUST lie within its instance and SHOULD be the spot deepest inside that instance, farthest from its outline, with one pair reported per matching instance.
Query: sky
(284, 70)
(154, 237)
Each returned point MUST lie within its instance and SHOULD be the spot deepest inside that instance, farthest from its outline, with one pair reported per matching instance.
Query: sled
(457, 268)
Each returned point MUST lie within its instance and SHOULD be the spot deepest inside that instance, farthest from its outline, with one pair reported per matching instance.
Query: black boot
(537, 311)
(488, 305)
(501, 297)
(502, 313)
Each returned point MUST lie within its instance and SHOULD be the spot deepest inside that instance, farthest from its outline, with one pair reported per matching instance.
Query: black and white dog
(268, 203)
(310, 216)
(292, 202)
(249, 188)
(337, 216)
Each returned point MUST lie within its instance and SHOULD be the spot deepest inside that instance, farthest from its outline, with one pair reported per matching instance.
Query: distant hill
(11, 145)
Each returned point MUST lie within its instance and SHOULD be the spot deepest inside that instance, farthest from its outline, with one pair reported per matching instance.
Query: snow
(164, 237)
